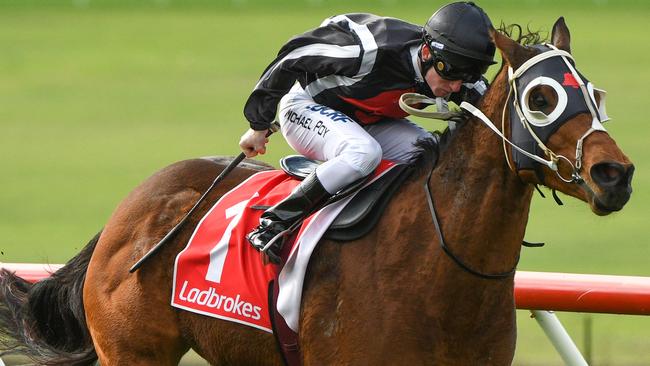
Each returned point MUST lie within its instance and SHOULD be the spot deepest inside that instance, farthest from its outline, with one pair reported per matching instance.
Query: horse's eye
(541, 102)
(537, 101)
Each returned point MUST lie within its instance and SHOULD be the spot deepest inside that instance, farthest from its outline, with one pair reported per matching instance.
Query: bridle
(598, 117)
(530, 122)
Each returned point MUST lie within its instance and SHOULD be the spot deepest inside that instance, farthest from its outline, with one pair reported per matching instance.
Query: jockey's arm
(328, 50)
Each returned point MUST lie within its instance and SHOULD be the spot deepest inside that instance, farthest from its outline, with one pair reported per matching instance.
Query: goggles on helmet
(449, 72)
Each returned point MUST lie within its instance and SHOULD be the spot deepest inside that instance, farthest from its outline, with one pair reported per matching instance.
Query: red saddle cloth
(219, 274)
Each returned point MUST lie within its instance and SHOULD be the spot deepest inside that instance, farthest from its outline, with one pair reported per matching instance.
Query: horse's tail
(45, 321)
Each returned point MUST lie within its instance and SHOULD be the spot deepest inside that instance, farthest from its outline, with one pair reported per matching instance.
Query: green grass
(94, 97)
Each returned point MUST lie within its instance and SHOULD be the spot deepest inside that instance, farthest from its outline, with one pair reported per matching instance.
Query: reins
(447, 250)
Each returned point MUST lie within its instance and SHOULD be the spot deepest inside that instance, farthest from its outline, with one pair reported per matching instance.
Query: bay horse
(392, 297)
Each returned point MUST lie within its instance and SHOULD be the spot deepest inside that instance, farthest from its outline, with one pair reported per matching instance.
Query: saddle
(361, 215)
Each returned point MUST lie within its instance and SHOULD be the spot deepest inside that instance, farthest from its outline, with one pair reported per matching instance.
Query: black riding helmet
(460, 43)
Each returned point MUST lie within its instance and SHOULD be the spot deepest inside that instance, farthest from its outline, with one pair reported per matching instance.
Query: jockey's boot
(302, 200)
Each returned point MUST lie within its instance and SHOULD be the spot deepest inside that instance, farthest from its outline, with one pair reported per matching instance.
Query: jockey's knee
(356, 159)
(364, 155)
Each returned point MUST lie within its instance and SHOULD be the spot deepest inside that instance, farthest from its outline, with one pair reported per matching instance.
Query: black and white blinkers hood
(530, 128)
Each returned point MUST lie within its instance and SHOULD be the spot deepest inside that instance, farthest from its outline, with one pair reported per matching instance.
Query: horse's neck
(483, 208)
(483, 205)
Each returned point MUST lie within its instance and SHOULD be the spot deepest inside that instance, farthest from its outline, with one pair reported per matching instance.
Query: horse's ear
(512, 52)
(560, 36)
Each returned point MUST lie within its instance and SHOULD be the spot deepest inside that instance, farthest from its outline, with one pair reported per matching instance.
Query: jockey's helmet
(460, 43)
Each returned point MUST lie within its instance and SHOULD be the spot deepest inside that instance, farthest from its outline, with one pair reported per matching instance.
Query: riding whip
(275, 126)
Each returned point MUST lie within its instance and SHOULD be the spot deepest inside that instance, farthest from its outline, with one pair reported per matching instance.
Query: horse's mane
(427, 150)
(527, 38)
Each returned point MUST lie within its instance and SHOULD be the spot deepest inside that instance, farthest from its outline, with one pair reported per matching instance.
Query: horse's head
(554, 114)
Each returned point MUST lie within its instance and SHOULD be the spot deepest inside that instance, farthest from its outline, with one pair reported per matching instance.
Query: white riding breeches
(348, 150)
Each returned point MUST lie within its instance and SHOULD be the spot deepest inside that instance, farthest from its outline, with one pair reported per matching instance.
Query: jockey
(336, 90)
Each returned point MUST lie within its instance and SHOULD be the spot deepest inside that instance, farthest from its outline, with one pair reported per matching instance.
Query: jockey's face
(439, 86)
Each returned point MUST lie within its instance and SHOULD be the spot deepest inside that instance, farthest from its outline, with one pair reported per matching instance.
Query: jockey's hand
(253, 142)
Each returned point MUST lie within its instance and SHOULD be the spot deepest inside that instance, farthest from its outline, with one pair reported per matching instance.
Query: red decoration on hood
(571, 81)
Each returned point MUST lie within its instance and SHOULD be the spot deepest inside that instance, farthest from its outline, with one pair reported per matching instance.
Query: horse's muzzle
(615, 183)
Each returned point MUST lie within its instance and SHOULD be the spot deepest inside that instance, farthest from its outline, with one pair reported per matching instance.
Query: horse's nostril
(609, 174)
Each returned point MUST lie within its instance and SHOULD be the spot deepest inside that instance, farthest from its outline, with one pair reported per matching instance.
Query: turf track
(97, 95)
